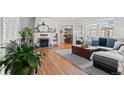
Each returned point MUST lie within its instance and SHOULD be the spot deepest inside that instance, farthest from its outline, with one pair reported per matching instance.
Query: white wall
(51, 23)
(120, 27)
(26, 22)
(62, 34)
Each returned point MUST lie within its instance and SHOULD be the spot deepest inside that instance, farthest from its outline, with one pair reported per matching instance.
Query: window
(101, 29)
(92, 30)
(4, 32)
(9, 27)
(107, 28)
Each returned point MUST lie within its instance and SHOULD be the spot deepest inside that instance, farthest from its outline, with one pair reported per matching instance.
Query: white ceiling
(75, 18)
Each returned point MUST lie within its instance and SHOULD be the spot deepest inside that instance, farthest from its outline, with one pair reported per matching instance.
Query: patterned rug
(81, 62)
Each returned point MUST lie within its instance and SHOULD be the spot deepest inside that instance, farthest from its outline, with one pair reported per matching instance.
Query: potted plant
(26, 35)
(24, 59)
(82, 41)
(84, 44)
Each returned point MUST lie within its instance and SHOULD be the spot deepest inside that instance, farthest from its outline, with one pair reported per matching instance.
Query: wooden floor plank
(54, 64)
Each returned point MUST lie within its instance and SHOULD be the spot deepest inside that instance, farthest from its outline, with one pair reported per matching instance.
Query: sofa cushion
(110, 42)
(102, 41)
(95, 41)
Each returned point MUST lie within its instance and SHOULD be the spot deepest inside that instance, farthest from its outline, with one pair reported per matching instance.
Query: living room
(61, 46)
(70, 40)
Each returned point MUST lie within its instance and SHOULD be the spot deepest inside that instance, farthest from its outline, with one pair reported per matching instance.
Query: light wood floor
(54, 64)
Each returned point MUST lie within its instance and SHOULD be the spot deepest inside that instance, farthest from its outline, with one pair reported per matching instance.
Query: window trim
(98, 28)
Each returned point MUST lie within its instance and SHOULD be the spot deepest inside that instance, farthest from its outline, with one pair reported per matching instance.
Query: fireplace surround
(44, 39)
(44, 42)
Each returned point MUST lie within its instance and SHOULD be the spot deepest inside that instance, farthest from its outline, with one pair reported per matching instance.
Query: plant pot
(32, 72)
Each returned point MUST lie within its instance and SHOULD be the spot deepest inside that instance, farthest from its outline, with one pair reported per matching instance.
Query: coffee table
(84, 52)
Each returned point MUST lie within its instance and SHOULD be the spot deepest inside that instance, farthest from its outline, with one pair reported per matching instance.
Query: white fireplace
(43, 38)
(44, 42)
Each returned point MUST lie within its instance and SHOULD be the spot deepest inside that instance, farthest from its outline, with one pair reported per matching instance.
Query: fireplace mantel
(40, 35)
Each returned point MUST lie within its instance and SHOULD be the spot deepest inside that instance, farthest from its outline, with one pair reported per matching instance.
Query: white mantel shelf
(50, 36)
(44, 32)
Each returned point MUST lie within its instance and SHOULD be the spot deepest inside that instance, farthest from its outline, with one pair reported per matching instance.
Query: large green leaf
(32, 61)
(16, 68)
(8, 67)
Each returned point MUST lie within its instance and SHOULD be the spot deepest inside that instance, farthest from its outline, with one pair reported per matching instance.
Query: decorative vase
(86, 45)
(82, 44)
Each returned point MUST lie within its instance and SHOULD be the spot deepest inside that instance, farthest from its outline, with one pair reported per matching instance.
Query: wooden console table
(83, 52)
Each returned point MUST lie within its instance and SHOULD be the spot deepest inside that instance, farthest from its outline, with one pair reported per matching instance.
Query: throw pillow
(95, 42)
(120, 46)
(121, 50)
(117, 45)
(110, 42)
(102, 41)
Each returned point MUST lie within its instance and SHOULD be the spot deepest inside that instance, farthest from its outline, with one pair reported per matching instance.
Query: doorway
(66, 34)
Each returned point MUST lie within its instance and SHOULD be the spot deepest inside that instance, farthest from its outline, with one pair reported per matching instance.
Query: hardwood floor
(54, 64)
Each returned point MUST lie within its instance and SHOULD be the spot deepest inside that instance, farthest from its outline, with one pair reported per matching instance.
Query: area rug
(83, 63)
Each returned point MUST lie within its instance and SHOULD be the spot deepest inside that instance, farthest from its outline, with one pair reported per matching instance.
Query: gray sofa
(103, 62)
